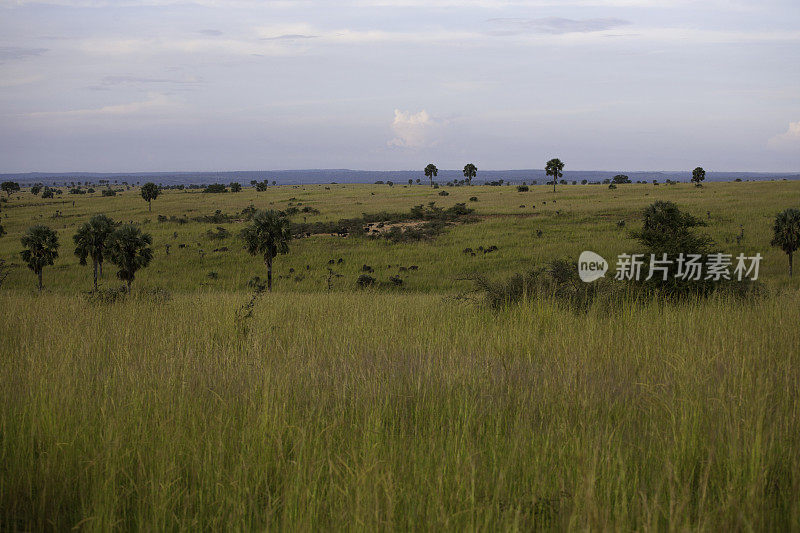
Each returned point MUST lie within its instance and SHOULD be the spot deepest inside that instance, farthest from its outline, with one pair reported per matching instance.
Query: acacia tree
(41, 249)
(268, 235)
(431, 172)
(9, 187)
(554, 168)
(91, 240)
(786, 233)
(129, 249)
(698, 175)
(470, 171)
(150, 192)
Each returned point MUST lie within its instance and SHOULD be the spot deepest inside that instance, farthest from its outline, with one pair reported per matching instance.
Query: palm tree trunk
(40, 279)
(554, 183)
(95, 276)
(149, 206)
(100, 269)
(129, 285)
(268, 261)
(790, 265)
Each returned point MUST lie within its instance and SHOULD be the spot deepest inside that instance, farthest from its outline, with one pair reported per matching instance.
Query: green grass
(402, 409)
(397, 412)
(587, 219)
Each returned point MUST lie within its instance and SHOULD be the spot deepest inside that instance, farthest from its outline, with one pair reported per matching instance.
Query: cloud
(551, 25)
(210, 33)
(787, 140)
(288, 37)
(412, 130)
(137, 80)
(155, 101)
(10, 53)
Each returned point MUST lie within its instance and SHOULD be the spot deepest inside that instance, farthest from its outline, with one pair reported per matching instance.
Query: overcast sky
(161, 85)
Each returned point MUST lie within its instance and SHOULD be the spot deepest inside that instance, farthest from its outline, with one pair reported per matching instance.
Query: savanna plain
(198, 401)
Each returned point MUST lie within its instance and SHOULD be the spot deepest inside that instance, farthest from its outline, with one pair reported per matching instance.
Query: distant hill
(294, 177)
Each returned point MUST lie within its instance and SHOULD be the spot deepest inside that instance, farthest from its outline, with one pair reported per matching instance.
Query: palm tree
(268, 235)
(787, 233)
(431, 172)
(470, 171)
(554, 168)
(150, 192)
(129, 249)
(41, 249)
(91, 241)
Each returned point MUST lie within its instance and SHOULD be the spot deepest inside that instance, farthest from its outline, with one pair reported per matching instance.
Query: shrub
(558, 280)
(473, 198)
(219, 234)
(522, 188)
(109, 192)
(215, 188)
(365, 280)
(444, 193)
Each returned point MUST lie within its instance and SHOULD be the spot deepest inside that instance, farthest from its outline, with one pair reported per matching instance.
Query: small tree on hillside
(129, 249)
(786, 233)
(431, 172)
(150, 192)
(41, 249)
(268, 235)
(698, 175)
(620, 178)
(470, 171)
(554, 168)
(91, 240)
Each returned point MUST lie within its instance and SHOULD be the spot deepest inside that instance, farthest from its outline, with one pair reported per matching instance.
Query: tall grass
(370, 411)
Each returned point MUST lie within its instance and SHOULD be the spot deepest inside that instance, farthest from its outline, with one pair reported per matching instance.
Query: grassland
(404, 408)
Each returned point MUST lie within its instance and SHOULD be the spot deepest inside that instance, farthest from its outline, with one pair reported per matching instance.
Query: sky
(191, 85)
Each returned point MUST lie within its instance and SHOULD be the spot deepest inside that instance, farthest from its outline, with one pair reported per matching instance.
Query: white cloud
(789, 139)
(155, 102)
(412, 130)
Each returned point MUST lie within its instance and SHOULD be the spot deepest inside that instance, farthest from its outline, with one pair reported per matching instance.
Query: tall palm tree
(470, 171)
(91, 241)
(268, 235)
(129, 249)
(150, 192)
(431, 172)
(554, 168)
(786, 233)
(41, 249)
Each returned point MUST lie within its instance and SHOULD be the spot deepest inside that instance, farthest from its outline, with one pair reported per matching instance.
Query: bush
(365, 280)
(109, 192)
(558, 280)
(219, 234)
(522, 188)
(215, 188)
(473, 198)
(444, 193)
